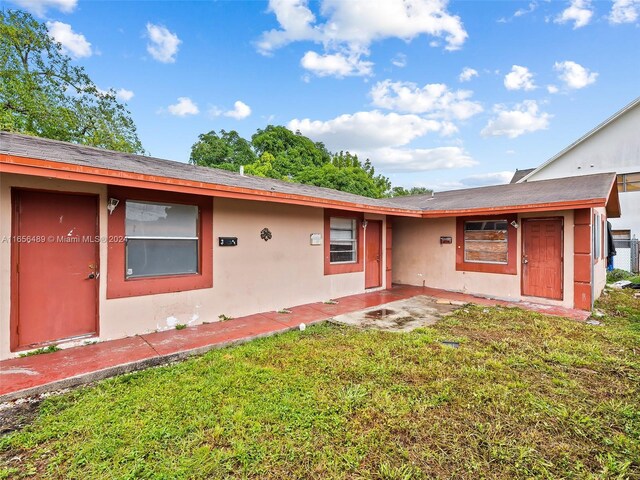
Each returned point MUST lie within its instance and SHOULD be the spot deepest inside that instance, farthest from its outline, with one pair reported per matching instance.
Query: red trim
(510, 268)
(582, 259)
(118, 286)
(83, 173)
(337, 268)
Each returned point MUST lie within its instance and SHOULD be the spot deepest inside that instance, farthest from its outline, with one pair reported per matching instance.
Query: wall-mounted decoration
(446, 240)
(265, 234)
(315, 239)
(227, 241)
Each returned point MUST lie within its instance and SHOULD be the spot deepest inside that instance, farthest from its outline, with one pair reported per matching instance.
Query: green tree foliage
(43, 94)
(227, 150)
(402, 192)
(277, 152)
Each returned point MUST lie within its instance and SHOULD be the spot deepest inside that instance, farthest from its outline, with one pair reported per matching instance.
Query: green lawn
(524, 396)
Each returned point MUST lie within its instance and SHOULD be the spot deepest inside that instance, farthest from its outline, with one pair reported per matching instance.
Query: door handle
(93, 275)
(525, 261)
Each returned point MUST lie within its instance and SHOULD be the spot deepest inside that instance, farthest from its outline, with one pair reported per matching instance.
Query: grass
(41, 351)
(524, 396)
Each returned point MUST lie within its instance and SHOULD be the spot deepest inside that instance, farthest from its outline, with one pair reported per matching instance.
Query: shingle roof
(557, 190)
(518, 174)
(544, 192)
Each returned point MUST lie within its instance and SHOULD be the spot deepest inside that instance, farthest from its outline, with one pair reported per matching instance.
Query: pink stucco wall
(252, 277)
(418, 258)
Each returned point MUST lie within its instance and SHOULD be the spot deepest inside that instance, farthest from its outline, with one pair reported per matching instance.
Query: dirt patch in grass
(16, 415)
(524, 396)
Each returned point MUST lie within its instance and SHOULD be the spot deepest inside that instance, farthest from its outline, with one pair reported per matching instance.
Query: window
(168, 242)
(486, 241)
(161, 239)
(629, 182)
(597, 229)
(621, 238)
(487, 244)
(343, 243)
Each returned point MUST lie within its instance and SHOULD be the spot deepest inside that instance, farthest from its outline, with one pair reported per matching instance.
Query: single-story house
(97, 244)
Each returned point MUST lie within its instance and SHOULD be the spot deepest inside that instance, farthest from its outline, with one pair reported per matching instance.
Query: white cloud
(524, 118)
(368, 130)
(74, 44)
(240, 111)
(349, 27)
(521, 12)
(400, 60)
(418, 159)
(552, 89)
(434, 99)
(40, 7)
(624, 11)
(163, 44)
(337, 65)
(467, 74)
(484, 179)
(520, 78)
(124, 94)
(184, 107)
(579, 12)
(574, 75)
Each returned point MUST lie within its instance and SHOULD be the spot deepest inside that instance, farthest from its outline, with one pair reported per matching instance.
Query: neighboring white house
(612, 146)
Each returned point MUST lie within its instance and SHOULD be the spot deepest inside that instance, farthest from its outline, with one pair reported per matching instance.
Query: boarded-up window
(343, 243)
(486, 241)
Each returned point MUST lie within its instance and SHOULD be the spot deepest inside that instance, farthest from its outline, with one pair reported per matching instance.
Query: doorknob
(525, 261)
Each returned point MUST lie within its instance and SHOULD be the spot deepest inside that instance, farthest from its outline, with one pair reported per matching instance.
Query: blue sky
(437, 94)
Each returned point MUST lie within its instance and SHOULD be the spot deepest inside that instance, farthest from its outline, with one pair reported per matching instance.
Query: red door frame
(378, 240)
(523, 253)
(14, 315)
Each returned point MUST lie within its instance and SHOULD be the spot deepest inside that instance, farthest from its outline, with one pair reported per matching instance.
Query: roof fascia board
(540, 207)
(65, 171)
(587, 135)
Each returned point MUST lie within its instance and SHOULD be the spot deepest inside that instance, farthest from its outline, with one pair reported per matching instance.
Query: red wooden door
(373, 254)
(542, 258)
(55, 263)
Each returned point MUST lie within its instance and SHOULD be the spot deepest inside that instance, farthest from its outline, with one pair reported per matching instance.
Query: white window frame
(353, 240)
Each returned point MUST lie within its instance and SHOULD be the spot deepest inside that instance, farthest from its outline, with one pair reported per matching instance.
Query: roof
(518, 174)
(29, 155)
(542, 195)
(587, 135)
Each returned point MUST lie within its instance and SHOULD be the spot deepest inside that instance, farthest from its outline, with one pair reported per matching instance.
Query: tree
(43, 94)
(402, 192)
(227, 150)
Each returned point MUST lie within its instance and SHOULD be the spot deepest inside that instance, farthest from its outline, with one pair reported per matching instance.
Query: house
(612, 146)
(96, 244)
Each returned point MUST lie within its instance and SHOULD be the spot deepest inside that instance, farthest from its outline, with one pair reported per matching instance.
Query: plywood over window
(486, 244)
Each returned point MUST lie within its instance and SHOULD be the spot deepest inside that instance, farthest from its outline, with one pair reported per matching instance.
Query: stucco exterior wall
(419, 259)
(252, 277)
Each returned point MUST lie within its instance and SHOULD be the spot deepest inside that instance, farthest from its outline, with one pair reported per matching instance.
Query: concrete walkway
(21, 377)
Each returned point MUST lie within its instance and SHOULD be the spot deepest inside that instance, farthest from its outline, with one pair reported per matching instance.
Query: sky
(438, 94)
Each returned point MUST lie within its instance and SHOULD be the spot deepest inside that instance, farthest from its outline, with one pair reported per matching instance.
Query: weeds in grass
(224, 318)
(181, 326)
(524, 396)
(40, 351)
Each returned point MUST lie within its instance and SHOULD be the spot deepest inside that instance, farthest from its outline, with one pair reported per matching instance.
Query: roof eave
(66, 171)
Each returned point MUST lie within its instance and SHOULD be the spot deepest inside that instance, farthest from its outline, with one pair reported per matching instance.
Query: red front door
(54, 267)
(373, 254)
(542, 258)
